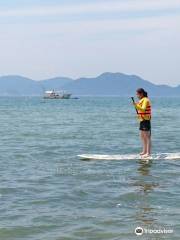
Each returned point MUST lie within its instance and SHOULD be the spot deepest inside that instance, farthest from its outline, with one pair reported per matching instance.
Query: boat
(56, 95)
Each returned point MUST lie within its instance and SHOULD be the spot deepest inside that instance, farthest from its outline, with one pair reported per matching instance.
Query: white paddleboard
(161, 156)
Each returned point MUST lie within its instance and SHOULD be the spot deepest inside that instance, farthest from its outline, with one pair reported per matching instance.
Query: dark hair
(142, 91)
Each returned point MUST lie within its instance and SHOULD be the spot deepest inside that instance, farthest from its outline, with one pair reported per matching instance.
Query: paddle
(134, 102)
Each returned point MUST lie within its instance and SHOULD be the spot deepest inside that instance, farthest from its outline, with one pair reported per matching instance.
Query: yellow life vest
(144, 109)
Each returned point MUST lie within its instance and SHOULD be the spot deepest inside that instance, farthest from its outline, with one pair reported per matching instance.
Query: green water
(47, 193)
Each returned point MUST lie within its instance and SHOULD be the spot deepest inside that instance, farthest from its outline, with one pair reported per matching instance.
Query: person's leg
(148, 142)
(143, 143)
(147, 137)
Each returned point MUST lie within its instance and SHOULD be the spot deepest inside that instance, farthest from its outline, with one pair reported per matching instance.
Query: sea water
(48, 193)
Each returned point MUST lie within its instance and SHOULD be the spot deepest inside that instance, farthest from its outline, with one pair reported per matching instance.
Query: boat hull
(64, 96)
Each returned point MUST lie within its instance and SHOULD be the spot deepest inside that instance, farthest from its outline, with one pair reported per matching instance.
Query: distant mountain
(54, 83)
(21, 86)
(17, 85)
(118, 84)
(106, 84)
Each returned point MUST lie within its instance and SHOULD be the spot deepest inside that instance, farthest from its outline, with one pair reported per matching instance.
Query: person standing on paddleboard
(143, 108)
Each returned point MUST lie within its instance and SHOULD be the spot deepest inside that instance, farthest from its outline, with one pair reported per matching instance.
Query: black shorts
(145, 125)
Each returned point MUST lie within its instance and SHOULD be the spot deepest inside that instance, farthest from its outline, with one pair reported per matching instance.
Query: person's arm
(144, 106)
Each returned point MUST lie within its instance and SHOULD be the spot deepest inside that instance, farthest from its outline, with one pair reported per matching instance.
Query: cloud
(95, 7)
(95, 26)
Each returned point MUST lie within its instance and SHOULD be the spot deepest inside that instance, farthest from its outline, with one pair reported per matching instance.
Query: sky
(41, 39)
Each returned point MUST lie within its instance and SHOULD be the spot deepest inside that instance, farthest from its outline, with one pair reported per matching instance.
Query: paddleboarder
(143, 109)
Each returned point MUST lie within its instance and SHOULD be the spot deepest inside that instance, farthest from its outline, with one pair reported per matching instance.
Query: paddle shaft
(134, 102)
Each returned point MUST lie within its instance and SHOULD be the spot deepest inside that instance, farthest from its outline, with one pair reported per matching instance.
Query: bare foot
(142, 153)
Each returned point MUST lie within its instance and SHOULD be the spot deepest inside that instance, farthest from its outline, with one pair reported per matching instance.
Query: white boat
(56, 95)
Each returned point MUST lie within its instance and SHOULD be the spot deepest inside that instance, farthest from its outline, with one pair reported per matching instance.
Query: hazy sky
(47, 38)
